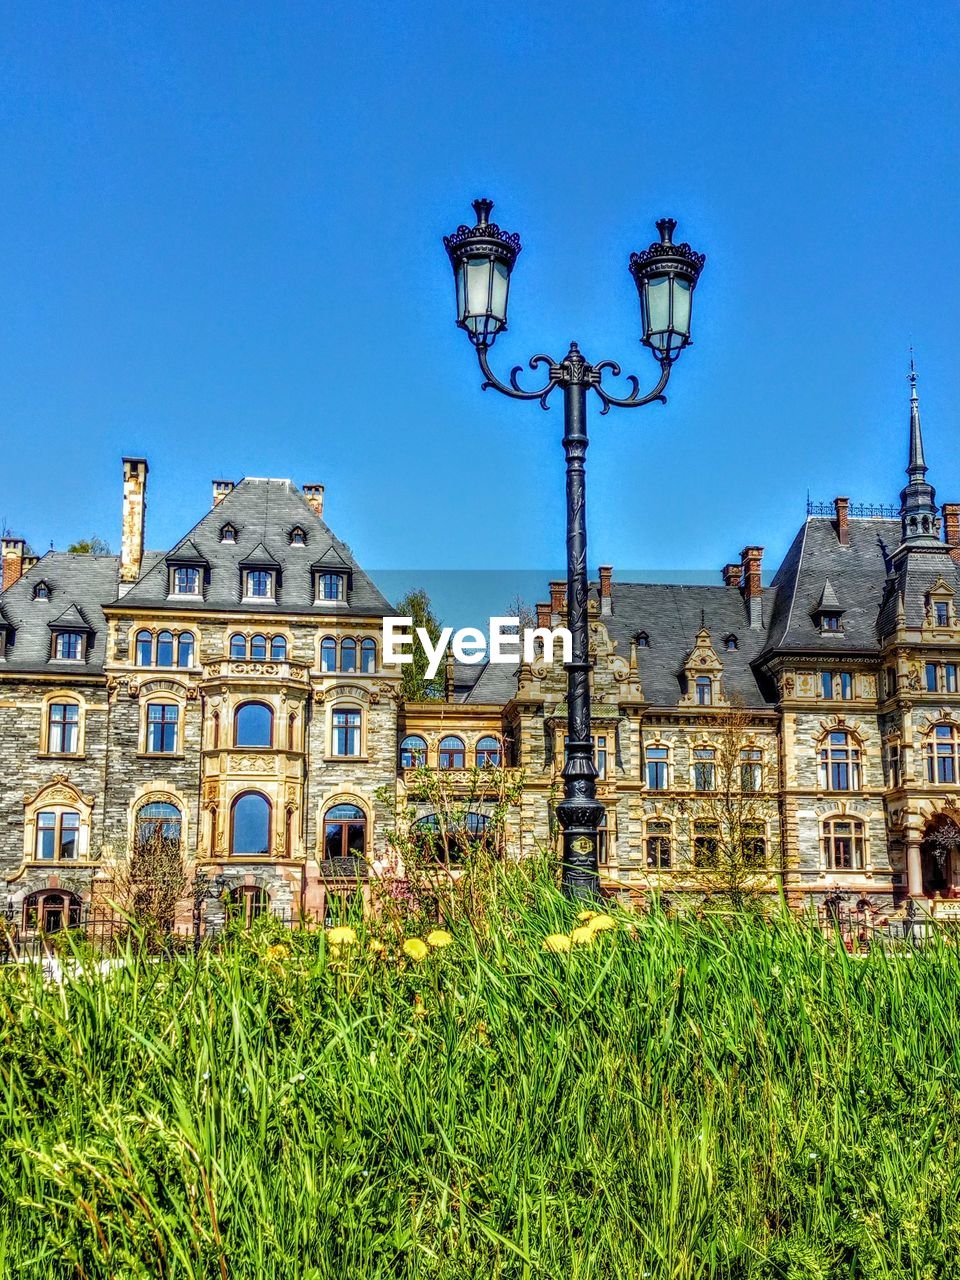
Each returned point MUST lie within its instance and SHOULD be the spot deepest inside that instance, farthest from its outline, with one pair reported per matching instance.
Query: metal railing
(856, 510)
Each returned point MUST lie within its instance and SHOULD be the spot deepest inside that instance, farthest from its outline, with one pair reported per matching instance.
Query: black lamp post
(666, 275)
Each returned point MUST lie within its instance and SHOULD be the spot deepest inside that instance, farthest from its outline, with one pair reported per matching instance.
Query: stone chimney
(558, 598)
(951, 528)
(543, 615)
(314, 495)
(134, 515)
(606, 588)
(220, 490)
(13, 549)
(732, 573)
(842, 508)
(751, 559)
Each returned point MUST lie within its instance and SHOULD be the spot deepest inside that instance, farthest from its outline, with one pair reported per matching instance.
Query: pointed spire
(919, 517)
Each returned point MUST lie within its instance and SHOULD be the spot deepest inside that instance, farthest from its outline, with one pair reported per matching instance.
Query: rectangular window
(68, 646)
(331, 586)
(846, 685)
(704, 687)
(600, 756)
(931, 675)
(751, 771)
(657, 766)
(259, 584)
(704, 770)
(893, 764)
(186, 582)
(658, 844)
(891, 681)
(950, 677)
(64, 735)
(162, 728)
(826, 684)
(603, 847)
(706, 844)
(46, 836)
(942, 613)
(754, 840)
(346, 733)
(58, 835)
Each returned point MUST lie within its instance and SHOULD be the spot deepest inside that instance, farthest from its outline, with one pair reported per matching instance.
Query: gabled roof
(187, 553)
(72, 619)
(828, 602)
(330, 561)
(262, 512)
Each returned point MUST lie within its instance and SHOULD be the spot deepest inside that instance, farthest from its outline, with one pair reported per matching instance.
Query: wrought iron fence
(858, 510)
(864, 927)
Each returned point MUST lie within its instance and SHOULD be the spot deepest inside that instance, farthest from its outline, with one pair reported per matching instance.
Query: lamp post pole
(666, 275)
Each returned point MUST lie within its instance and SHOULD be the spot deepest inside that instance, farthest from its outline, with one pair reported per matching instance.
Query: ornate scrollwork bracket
(574, 370)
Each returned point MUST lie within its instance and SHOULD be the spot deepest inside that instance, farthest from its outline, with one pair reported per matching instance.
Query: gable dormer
(187, 572)
(332, 578)
(260, 574)
(827, 613)
(70, 636)
(939, 607)
(702, 675)
(42, 590)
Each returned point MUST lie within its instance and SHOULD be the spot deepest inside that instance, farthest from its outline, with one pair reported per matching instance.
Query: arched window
(297, 537)
(228, 533)
(238, 647)
(413, 752)
(258, 648)
(328, 654)
(368, 655)
(348, 655)
(58, 835)
(185, 648)
(165, 649)
(144, 649)
(292, 731)
(843, 844)
(839, 763)
(162, 723)
(253, 725)
(489, 753)
(215, 730)
(278, 649)
(250, 825)
(246, 902)
(49, 911)
(642, 640)
(346, 724)
(158, 821)
(452, 754)
(451, 844)
(730, 643)
(659, 843)
(68, 646)
(941, 750)
(344, 833)
(63, 728)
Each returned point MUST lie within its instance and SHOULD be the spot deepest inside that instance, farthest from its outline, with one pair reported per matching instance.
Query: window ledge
(61, 755)
(61, 862)
(345, 759)
(160, 755)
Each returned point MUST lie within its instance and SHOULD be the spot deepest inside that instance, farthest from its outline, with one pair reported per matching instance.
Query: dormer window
(68, 646)
(41, 591)
(941, 612)
(704, 691)
(829, 622)
(185, 581)
(730, 643)
(331, 586)
(228, 533)
(828, 612)
(297, 537)
(258, 584)
(642, 639)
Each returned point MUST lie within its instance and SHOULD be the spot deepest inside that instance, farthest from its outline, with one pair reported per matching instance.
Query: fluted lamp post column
(666, 274)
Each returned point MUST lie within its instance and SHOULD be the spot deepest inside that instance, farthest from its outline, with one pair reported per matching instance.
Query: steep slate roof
(263, 512)
(77, 582)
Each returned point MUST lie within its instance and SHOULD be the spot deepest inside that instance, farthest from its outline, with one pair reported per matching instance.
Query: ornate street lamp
(666, 275)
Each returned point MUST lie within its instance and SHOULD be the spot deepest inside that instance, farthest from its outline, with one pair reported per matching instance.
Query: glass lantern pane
(479, 271)
(461, 292)
(498, 297)
(682, 297)
(658, 305)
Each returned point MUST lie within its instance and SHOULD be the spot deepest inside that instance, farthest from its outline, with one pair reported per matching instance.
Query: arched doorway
(940, 856)
(50, 910)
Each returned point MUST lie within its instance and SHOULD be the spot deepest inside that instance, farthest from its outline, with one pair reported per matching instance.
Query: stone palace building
(230, 692)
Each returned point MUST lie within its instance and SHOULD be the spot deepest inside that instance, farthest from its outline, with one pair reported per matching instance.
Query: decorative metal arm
(574, 370)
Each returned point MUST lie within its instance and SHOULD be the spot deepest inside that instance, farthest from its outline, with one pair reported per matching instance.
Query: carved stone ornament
(259, 764)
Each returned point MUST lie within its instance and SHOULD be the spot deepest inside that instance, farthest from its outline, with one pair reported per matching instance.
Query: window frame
(240, 796)
(835, 757)
(829, 838)
(652, 766)
(65, 702)
(238, 712)
(57, 642)
(162, 722)
(58, 812)
(404, 747)
(451, 753)
(658, 838)
(351, 730)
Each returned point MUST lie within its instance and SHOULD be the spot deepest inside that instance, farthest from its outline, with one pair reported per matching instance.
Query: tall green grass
(679, 1098)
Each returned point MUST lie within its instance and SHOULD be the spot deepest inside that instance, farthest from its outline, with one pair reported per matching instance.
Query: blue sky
(221, 248)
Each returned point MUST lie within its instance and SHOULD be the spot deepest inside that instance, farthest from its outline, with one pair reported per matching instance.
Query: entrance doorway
(940, 857)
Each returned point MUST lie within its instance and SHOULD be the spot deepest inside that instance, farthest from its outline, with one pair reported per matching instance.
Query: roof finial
(917, 466)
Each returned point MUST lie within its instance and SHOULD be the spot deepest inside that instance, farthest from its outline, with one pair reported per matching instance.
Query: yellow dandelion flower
(278, 951)
(582, 936)
(341, 936)
(585, 915)
(439, 938)
(601, 922)
(377, 947)
(556, 942)
(416, 949)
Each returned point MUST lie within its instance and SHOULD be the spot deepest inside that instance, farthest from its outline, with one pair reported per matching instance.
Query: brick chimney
(134, 515)
(951, 528)
(842, 508)
(558, 598)
(732, 573)
(13, 549)
(314, 495)
(606, 588)
(220, 490)
(543, 615)
(751, 559)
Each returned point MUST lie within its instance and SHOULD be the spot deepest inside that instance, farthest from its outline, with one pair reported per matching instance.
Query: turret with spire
(919, 520)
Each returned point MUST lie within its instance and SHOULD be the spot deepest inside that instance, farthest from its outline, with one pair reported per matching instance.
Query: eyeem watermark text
(504, 643)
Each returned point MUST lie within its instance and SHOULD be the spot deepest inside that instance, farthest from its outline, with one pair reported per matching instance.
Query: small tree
(148, 886)
(92, 546)
(730, 856)
(415, 686)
